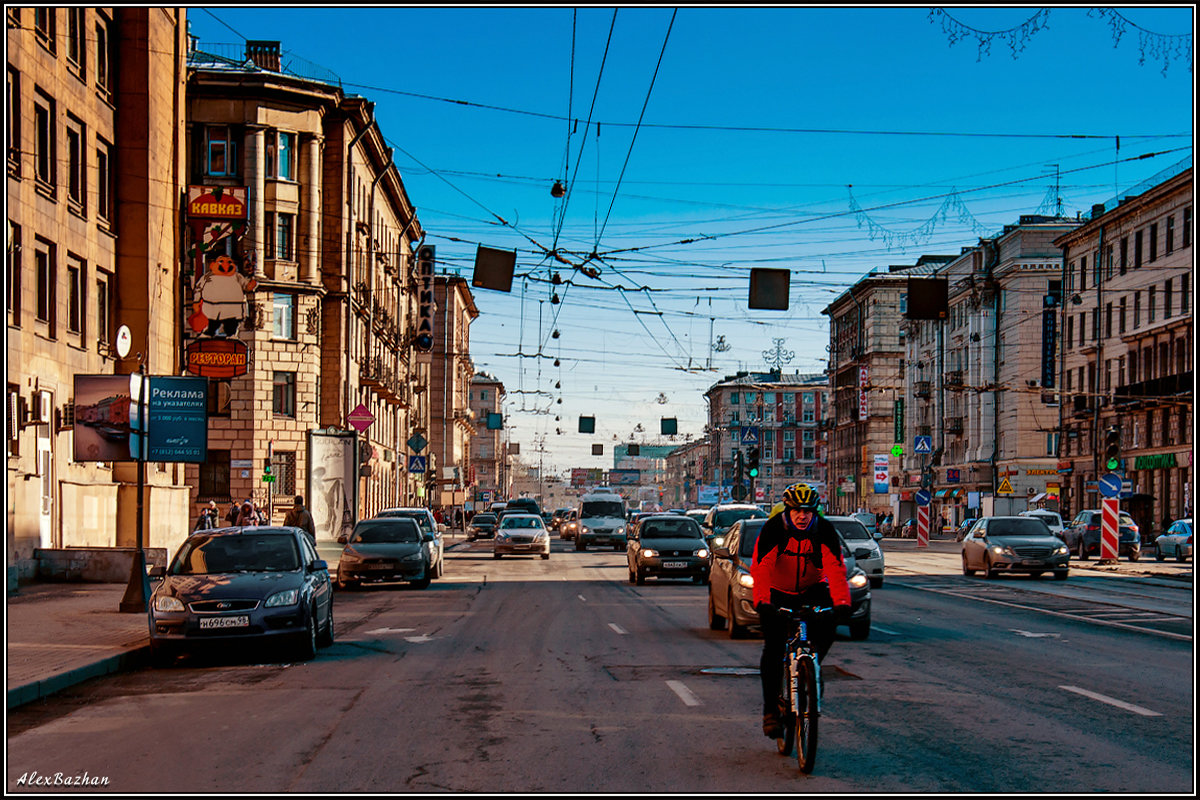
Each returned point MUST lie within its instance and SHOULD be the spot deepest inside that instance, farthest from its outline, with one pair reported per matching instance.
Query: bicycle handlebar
(806, 611)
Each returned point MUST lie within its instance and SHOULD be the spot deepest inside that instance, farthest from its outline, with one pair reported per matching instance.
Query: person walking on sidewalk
(299, 517)
(208, 517)
(247, 515)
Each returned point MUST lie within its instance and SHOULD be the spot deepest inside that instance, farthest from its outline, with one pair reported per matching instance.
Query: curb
(36, 690)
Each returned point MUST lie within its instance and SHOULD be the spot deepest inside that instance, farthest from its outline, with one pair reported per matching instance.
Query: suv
(601, 520)
(720, 519)
(1082, 536)
(520, 505)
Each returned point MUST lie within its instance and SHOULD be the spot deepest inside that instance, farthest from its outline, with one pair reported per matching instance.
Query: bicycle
(800, 695)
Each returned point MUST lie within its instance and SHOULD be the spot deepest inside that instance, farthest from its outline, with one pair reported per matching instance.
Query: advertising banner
(177, 419)
(862, 394)
(333, 482)
(103, 418)
(108, 423)
(624, 477)
(881, 474)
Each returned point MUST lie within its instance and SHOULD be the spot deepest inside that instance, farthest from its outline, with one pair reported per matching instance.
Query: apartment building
(324, 254)
(95, 180)
(451, 423)
(782, 414)
(1128, 350)
(486, 476)
(685, 467)
(981, 384)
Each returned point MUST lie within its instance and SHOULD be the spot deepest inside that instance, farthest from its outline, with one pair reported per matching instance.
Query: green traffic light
(754, 472)
(1112, 463)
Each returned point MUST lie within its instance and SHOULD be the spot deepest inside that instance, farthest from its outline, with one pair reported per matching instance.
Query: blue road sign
(1110, 485)
(923, 444)
(416, 464)
(924, 497)
(749, 434)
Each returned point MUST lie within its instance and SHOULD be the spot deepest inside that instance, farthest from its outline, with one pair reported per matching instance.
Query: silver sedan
(1177, 541)
(521, 534)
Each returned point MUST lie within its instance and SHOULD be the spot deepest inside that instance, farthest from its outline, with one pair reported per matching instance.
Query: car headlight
(350, 556)
(413, 557)
(1061, 550)
(620, 530)
(585, 529)
(858, 580)
(718, 541)
(701, 553)
(1001, 550)
(168, 603)
(501, 535)
(539, 535)
(285, 598)
(746, 579)
(648, 553)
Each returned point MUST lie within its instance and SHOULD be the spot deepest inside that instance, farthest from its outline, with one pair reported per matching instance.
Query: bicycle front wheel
(786, 714)
(807, 715)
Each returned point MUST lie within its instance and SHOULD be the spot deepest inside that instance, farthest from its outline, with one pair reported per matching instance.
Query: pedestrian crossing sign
(1005, 487)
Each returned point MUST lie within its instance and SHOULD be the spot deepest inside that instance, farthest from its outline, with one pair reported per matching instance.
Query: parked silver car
(1177, 541)
(1013, 544)
(863, 545)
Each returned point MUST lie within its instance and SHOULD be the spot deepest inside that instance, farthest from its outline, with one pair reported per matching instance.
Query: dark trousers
(776, 632)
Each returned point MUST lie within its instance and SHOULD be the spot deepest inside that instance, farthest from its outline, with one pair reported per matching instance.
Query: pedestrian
(247, 515)
(261, 514)
(299, 517)
(208, 517)
(231, 516)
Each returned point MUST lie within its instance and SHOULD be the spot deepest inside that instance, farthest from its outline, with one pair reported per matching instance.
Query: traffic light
(738, 467)
(1112, 448)
(752, 462)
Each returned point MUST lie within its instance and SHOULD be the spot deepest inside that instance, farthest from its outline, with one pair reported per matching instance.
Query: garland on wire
(1157, 45)
(953, 204)
(1016, 38)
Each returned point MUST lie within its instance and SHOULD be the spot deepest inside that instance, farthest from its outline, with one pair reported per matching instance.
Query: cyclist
(797, 561)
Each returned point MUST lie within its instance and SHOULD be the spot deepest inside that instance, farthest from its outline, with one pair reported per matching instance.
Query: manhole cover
(737, 671)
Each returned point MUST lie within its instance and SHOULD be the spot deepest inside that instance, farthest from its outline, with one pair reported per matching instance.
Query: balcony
(1153, 390)
(954, 425)
(921, 388)
(1084, 406)
(954, 380)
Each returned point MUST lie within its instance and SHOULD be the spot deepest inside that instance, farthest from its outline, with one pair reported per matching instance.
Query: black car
(667, 546)
(386, 549)
(242, 585)
(1082, 536)
(482, 524)
(731, 587)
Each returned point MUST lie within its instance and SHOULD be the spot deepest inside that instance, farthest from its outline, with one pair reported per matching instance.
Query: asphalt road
(524, 675)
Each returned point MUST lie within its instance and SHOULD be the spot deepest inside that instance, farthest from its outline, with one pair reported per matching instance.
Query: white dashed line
(1145, 712)
(581, 597)
(685, 694)
(885, 630)
(617, 628)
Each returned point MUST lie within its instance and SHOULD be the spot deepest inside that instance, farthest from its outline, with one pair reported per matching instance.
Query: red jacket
(793, 561)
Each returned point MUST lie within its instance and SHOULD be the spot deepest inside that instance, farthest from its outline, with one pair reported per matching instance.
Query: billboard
(333, 482)
(104, 418)
(107, 418)
(624, 477)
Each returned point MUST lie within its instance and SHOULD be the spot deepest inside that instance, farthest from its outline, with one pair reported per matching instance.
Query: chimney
(1097, 210)
(264, 54)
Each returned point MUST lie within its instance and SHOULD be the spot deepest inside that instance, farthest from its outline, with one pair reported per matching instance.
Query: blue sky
(762, 130)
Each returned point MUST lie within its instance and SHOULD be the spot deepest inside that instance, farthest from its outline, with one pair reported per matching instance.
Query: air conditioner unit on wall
(42, 409)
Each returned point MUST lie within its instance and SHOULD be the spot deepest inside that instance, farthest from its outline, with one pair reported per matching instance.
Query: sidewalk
(61, 634)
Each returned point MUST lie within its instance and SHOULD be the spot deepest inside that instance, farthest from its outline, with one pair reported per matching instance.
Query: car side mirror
(318, 565)
(426, 537)
(878, 536)
(721, 552)
(341, 538)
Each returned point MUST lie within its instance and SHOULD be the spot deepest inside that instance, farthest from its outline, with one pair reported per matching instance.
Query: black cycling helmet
(801, 496)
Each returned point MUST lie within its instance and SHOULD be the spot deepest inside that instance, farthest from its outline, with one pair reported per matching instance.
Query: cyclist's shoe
(772, 725)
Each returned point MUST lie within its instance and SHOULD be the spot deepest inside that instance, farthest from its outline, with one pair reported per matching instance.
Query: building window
(44, 258)
(1124, 254)
(285, 316)
(283, 236)
(44, 26)
(214, 475)
(768, 397)
(733, 398)
(751, 398)
(1169, 241)
(219, 398)
(103, 310)
(1108, 320)
(284, 467)
(220, 150)
(1187, 226)
(14, 122)
(808, 416)
(808, 454)
(76, 164)
(14, 275)
(283, 399)
(281, 155)
(1120, 317)
(104, 178)
(76, 274)
(1137, 310)
(1153, 242)
(1185, 287)
(1137, 249)
(43, 145)
(76, 45)
(789, 435)
(103, 61)
(1152, 304)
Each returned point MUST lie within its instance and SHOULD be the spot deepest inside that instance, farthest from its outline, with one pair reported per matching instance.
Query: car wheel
(860, 628)
(988, 572)
(1061, 574)
(966, 570)
(639, 577)
(632, 576)
(161, 655)
(876, 583)
(715, 621)
(1134, 555)
(1081, 553)
(580, 546)
(306, 646)
(698, 580)
(1159, 555)
(1179, 556)
(495, 555)
(344, 583)
(326, 638)
(545, 556)
(736, 630)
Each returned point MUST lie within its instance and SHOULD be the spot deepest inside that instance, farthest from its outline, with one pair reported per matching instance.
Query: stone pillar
(310, 263)
(256, 179)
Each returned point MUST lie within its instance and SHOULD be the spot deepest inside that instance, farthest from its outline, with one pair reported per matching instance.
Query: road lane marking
(581, 597)
(1030, 635)
(1112, 701)
(884, 630)
(685, 694)
(617, 628)
(379, 631)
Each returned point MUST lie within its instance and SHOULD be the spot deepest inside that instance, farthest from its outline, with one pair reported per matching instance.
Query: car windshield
(670, 529)
(420, 516)
(723, 519)
(851, 529)
(484, 518)
(749, 537)
(602, 508)
(254, 552)
(393, 531)
(1016, 527)
(511, 521)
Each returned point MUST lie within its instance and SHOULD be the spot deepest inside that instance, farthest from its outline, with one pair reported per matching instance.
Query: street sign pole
(1109, 530)
(924, 498)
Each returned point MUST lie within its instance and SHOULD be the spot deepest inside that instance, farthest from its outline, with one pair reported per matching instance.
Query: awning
(940, 493)
(949, 494)
(1037, 498)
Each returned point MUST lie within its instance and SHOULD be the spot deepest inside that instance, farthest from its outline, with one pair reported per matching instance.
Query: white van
(601, 520)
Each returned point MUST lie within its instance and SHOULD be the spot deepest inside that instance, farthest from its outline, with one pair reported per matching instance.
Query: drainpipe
(350, 262)
(994, 284)
(1098, 268)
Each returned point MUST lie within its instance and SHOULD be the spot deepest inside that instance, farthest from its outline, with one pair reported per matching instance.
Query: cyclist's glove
(767, 610)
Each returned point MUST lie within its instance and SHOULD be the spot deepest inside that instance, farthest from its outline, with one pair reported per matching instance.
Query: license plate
(224, 622)
(381, 566)
(674, 564)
